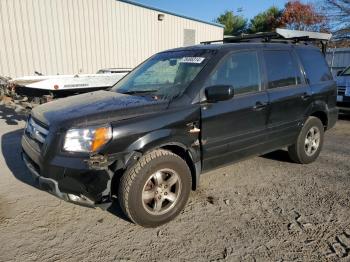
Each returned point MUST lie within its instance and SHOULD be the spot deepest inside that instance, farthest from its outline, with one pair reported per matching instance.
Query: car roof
(231, 46)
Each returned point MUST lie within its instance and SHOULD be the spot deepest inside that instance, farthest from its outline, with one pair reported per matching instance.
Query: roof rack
(279, 36)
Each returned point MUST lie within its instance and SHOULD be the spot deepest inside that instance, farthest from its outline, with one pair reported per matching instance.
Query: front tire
(155, 189)
(309, 142)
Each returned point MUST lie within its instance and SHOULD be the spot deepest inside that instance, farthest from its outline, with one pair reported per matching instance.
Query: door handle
(305, 96)
(259, 106)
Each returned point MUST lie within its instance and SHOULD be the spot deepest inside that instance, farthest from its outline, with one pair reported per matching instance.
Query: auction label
(192, 60)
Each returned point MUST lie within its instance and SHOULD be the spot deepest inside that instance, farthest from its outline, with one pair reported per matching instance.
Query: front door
(235, 128)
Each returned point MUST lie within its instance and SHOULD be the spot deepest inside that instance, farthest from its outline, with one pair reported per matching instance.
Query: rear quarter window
(315, 65)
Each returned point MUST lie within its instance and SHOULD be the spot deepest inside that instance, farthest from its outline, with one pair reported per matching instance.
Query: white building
(82, 36)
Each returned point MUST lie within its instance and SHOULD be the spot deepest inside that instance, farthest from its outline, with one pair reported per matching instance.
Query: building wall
(338, 59)
(82, 36)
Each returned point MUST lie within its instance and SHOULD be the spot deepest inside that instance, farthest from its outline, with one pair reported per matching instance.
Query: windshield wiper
(139, 92)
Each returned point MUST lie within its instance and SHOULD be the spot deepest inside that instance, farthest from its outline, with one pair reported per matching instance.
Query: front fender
(160, 138)
(166, 138)
(172, 128)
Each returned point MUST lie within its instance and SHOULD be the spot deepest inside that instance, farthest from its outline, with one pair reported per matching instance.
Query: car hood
(343, 80)
(95, 108)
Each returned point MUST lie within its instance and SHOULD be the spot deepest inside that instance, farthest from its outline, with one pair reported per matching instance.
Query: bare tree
(338, 13)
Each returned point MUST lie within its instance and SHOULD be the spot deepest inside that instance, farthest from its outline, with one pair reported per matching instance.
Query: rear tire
(309, 142)
(155, 189)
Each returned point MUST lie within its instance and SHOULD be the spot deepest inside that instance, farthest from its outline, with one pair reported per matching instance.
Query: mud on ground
(262, 209)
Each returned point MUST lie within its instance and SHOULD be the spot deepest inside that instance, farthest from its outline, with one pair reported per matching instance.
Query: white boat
(65, 85)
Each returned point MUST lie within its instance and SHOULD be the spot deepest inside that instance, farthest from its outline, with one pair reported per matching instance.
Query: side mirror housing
(219, 93)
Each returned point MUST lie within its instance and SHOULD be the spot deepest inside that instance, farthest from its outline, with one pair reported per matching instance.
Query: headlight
(87, 139)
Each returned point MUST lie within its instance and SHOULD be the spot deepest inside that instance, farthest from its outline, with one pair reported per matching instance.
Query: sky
(208, 10)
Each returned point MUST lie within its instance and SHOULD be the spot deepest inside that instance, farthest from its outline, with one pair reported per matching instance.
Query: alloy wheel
(161, 191)
(312, 141)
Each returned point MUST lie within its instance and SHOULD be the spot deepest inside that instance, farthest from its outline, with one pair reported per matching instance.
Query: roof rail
(280, 36)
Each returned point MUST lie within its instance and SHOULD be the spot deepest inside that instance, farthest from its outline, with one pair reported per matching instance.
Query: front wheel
(309, 143)
(155, 189)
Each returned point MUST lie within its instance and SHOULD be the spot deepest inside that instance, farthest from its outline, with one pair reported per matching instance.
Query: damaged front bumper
(73, 181)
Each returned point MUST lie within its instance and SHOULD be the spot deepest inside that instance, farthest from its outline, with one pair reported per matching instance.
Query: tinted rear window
(315, 65)
(282, 69)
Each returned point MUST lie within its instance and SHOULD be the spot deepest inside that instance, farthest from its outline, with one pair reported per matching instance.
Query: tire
(300, 152)
(155, 189)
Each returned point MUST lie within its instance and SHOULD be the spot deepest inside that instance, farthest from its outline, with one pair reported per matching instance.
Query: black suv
(182, 112)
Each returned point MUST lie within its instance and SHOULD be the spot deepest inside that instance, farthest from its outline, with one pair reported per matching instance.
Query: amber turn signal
(101, 137)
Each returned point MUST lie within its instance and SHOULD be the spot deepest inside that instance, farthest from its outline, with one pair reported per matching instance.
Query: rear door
(318, 76)
(234, 128)
(289, 96)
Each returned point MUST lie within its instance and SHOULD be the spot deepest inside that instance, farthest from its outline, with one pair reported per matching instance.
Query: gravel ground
(262, 209)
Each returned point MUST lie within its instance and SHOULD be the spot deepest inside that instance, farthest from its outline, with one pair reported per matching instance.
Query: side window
(241, 70)
(282, 69)
(315, 65)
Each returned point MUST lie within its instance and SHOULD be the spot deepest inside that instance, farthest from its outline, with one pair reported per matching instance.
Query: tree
(299, 16)
(234, 24)
(266, 21)
(338, 14)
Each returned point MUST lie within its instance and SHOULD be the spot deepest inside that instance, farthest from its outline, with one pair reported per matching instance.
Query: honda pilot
(181, 113)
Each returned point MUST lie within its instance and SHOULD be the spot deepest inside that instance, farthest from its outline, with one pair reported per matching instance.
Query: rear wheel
(155, 189)
(309, 143)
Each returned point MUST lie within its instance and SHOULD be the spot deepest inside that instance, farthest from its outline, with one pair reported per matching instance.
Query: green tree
(234, 24)
(266, 21)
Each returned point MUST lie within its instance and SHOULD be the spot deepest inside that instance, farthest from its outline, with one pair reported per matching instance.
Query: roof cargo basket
(279, 36)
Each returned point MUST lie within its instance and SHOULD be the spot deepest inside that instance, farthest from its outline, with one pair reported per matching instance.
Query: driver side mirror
(219, 93)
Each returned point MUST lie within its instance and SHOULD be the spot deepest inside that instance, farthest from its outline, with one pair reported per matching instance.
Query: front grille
(341, 90)
(36, 131)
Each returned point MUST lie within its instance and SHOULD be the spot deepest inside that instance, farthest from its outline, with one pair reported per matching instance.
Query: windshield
(346, 72)
(164, 75)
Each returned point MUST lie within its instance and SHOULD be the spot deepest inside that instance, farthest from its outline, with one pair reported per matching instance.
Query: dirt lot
(264, 209)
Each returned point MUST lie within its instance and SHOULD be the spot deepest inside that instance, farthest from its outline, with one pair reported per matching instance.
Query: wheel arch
(186, 155)
(320, 110)
(162, 139)
(322, 116)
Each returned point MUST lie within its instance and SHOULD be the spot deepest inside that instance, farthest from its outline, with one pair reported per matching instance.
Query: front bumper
(344, 106)
(68, 178)
(44, 183)
(343, 101)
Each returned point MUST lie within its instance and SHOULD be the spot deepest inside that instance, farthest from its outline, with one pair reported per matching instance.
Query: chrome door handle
(259, 106)
(305, 96)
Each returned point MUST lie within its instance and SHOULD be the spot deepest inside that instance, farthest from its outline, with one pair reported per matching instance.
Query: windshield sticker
(192, 60)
